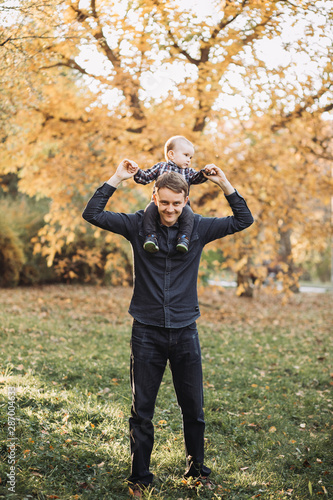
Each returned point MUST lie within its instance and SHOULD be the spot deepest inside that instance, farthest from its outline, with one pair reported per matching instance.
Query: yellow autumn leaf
(65, 138)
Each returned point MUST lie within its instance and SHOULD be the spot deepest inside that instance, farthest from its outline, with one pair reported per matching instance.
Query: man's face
(182, 154)
(170, 205)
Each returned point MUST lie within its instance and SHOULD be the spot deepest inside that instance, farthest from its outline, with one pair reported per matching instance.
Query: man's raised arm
(125, 170)
(216, 175)
(94, 211)
(218, 227)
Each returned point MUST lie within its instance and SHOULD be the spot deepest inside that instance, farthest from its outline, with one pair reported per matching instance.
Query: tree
(69, 119)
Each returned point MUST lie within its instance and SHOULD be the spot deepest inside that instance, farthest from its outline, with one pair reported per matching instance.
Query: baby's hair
(172, 142)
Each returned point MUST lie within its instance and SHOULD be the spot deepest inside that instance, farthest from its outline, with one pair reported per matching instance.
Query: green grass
(268, 402)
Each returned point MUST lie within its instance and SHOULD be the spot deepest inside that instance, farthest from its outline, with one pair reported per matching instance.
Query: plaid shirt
(151, 174)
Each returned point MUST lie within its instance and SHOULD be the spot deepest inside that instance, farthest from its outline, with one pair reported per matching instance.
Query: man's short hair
(172, 142)
(173, 181)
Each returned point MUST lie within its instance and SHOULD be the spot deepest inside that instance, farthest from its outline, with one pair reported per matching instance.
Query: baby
(178, 154)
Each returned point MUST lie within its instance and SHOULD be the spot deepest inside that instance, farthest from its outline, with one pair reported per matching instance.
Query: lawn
(65, 397)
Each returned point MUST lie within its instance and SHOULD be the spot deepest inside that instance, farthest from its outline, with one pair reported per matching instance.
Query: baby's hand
(130, 166)
(210, 169)
(126, 169)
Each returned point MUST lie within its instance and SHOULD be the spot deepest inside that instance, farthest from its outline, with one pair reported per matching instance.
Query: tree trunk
(245, 282)
(285, 252)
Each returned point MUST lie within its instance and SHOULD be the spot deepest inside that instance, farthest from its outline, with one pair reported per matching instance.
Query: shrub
(11, 256)
(21, 218)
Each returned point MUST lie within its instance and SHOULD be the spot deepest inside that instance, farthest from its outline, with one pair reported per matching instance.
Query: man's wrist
(226, 187)
(114, 181)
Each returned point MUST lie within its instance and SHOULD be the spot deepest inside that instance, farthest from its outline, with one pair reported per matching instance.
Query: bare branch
(82, 16)
(226, 20)
(183, 52)
(39, 37)
(324, 156)
(5, 41)
(93, 8)
(300, 110)
(206, 104)
(70, 63)
(122, 79)
(48, 117)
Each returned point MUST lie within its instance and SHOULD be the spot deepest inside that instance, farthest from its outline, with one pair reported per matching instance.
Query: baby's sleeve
(196, 177)
(147, 176)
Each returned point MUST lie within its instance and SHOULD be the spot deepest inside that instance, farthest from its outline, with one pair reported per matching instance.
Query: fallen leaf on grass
(221, 489)
(310, 487)
(288, 492)
(208, 385)
(106, 390)
(85, 486)
(272, 429)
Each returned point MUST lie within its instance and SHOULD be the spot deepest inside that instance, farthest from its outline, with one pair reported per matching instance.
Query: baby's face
(182, 154)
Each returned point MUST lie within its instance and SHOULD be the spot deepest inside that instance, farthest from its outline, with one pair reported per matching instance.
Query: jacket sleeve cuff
(106, 189)
(233, 196)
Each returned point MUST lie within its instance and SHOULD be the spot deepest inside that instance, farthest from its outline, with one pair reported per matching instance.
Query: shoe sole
(182, 248)
(150, 247)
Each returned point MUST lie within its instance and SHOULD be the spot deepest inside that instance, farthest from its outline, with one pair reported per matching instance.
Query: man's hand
(216, 175)
(125, 170)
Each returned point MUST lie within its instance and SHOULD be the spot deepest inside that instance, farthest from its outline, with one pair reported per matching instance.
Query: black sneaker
(151, 244)
(182, 244)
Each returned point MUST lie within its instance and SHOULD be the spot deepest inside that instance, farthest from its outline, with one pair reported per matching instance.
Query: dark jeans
(186, 220)
(151, 348)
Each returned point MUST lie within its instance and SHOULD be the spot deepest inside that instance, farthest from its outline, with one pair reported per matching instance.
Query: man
(165, 307)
